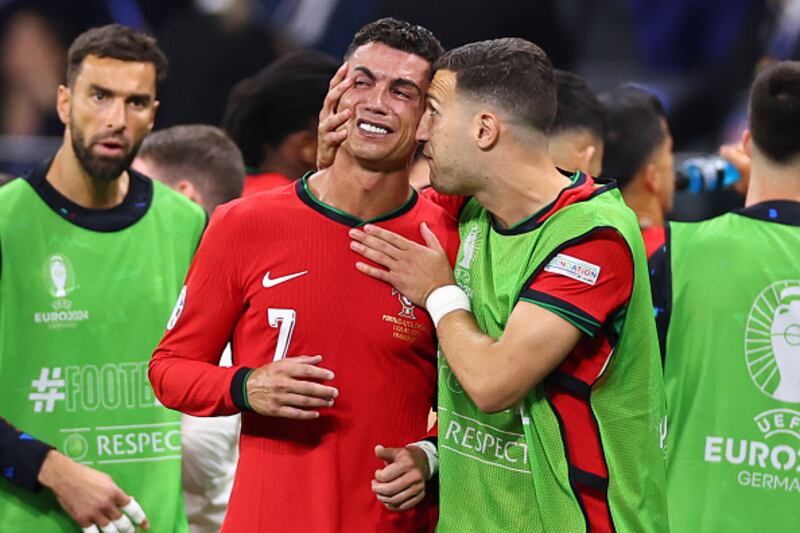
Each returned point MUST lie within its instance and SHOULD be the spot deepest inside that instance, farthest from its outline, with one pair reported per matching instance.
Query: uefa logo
(772, 341)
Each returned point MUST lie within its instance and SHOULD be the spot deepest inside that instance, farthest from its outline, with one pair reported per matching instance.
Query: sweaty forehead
(389, 63)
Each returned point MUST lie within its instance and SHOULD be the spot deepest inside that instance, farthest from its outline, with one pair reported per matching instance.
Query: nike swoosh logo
(267, 282)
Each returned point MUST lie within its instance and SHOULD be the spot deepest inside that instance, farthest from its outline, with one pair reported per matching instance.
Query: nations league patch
(178, 309)
(574, 268)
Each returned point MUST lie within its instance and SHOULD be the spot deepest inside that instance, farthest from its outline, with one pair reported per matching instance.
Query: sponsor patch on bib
(574, 268)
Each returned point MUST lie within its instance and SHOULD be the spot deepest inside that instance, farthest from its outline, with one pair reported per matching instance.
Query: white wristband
(432, 453)
(445, 300)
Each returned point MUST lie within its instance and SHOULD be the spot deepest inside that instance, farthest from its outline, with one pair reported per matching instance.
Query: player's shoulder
(435, 214)
(260, 207)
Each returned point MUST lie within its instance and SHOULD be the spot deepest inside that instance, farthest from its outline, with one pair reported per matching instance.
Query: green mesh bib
(80, 313)
(500, 474)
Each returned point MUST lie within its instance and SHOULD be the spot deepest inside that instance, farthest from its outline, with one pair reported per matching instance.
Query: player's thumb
(386, 454)
(430, 237)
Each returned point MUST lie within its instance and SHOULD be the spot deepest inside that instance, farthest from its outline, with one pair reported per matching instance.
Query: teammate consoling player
(550, 390)
(327, 363)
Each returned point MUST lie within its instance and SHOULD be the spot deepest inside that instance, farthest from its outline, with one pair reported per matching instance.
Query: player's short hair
(116, 42)
(775, 111)
(511, 73)
(283, 98)
(578, 108)
(400, 35)
(200, 154)
(633, 132)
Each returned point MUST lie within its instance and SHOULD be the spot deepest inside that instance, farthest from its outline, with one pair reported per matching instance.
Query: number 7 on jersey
(283, 319)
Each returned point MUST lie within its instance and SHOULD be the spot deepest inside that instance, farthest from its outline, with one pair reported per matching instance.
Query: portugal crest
(407, 310)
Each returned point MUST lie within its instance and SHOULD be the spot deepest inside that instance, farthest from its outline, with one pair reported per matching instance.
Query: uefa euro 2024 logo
(772, 341)
(59, 276)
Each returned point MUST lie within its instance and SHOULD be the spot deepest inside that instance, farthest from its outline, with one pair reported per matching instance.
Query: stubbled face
(108, 111)
(665, 166)
(444, 129)
(387, 98)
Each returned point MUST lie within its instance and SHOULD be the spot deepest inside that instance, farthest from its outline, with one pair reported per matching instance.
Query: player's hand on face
(400, 485)
(413, 269)
(329, 136)
(90, 497)
(288, 388)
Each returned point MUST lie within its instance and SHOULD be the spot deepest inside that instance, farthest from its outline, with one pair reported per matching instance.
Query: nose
(376, 100)
(116, 115)
(423, 128)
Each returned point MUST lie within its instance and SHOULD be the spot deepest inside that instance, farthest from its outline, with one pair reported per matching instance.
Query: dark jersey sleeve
(586, 282)
(661, 286)
(184, 369)
(21, 456)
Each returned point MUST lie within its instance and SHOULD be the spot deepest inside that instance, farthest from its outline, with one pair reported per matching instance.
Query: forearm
(21, 456)
(477, 360)
(196, 387)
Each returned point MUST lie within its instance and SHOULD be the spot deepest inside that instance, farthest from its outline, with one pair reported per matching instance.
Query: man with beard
(325, 438)
(92, 255)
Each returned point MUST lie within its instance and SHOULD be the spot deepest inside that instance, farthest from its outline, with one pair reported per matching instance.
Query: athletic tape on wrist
(445, 300)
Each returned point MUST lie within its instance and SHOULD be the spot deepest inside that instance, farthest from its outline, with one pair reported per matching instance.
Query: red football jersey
(274, 274)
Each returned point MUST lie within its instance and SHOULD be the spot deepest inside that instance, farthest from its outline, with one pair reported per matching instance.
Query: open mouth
(373, 129)
(111, 147)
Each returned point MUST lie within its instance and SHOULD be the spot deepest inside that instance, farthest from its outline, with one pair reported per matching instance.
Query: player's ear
(650, 178)
(747, 140)
(187, 188)
(487, 131)
(584, 158)
(64, 103)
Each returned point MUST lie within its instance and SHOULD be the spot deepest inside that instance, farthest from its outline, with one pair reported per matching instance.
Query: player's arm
(89, 497)
(185, 371)
(495, 373)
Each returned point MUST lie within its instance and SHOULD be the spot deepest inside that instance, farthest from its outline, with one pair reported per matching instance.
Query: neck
(518, 183)
(772, 182)
(363, 193)
(646, 206)
(71, 180)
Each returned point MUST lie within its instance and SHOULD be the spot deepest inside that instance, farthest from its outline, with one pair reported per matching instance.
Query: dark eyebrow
(140, 96)
(367, 72)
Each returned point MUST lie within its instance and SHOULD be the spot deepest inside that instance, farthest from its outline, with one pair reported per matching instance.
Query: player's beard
(102, 168)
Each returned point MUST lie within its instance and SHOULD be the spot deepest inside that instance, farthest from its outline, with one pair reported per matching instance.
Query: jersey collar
(779, 211)
(133, 207)
(304, 193)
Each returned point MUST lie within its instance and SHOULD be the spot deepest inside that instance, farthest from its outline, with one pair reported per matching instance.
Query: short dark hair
(775, 111)
(116, 42)
(400, 35)
(512, 73)
(283, 98)
(201, 154)
(578, 106)
(633, 132)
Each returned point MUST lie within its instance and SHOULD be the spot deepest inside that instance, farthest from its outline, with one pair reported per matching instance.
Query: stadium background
(698, 56)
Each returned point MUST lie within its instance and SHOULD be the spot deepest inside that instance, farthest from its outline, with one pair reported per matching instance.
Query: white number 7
(283, 319)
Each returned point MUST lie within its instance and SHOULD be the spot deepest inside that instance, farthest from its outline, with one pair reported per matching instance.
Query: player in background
(93, 254)
(272, 117)
(327, 439)
(197, 160)
(729, 294)
(576, 137)
(202, 163)
(638, 155)
(551, 396)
